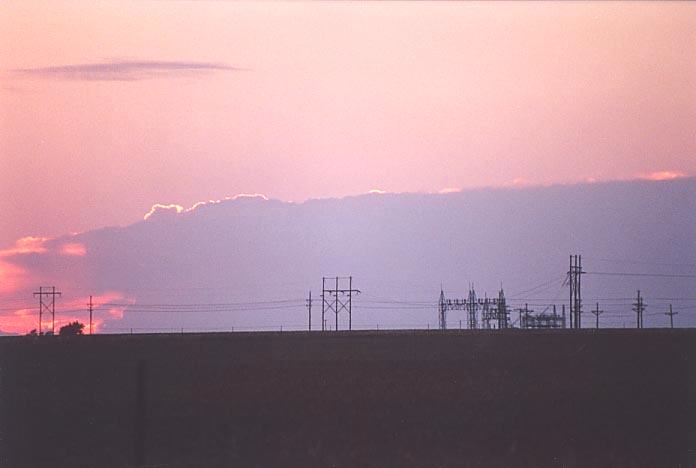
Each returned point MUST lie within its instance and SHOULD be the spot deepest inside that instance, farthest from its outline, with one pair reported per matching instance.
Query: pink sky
(329, 99)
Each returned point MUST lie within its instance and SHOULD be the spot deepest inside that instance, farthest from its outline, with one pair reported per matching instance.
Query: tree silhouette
(72, 329)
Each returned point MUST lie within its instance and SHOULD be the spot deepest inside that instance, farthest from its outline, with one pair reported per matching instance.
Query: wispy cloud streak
(124, 70)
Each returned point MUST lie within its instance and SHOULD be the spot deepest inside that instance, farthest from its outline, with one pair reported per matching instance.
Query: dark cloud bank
(396, 246)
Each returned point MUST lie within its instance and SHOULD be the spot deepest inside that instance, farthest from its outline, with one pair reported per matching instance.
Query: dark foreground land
(388, 399)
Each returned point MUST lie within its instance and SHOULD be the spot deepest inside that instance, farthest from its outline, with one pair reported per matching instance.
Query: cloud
(450, 190)
(176, 209)
(12, 277)
(663, 175)
(249, 263)
(106, 307)
(124, 70)
(26, 245)
(73, 248)
(160, 208)
(520, 182)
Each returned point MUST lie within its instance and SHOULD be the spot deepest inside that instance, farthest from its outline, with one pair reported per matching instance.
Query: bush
(72, 329)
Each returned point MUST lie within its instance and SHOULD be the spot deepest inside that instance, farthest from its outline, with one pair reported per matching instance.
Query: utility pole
(49, 307)
(350, 303)
(671, 316)
(90, 314)
(309, 308)
(336, 309)
(574, 274)
(638, 308)
(596, 312)
(323, 303)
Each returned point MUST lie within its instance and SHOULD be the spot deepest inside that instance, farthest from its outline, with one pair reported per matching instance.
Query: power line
(539, 287)
(649, 275)
(641, 262)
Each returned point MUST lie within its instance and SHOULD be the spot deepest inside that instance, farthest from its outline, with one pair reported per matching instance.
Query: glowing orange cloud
(11, 275)
(663, 175)
(520, 182)
(20, 321)
(23, 320)
(450, 190)
(26, 245)
(73, 248)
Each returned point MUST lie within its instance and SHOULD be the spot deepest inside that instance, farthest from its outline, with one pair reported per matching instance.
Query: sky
(113, 114)
(107, 108)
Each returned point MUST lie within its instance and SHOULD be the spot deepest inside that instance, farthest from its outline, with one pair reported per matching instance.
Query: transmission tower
(444, 305)
(309, 310)
(492, 310)
(503, 314)
(486, 315)
(337, 299)
(671, 316)
(48, 305)
(541, 320)
(442, 311)
(472, 308)
(574, 274)
(596, 312)
(638, 308)
(524, 317)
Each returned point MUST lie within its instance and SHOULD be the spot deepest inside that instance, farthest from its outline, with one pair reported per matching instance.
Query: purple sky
(108, 108)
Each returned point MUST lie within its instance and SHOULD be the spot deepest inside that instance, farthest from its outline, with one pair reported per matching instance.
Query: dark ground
(389, 399)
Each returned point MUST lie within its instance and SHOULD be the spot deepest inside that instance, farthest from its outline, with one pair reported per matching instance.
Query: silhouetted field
(404, 399)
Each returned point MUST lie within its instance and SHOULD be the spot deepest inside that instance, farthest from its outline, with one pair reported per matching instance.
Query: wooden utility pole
(597, 313)
(638, 308)
(90, 314)
(671, 316)
(574, 276)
